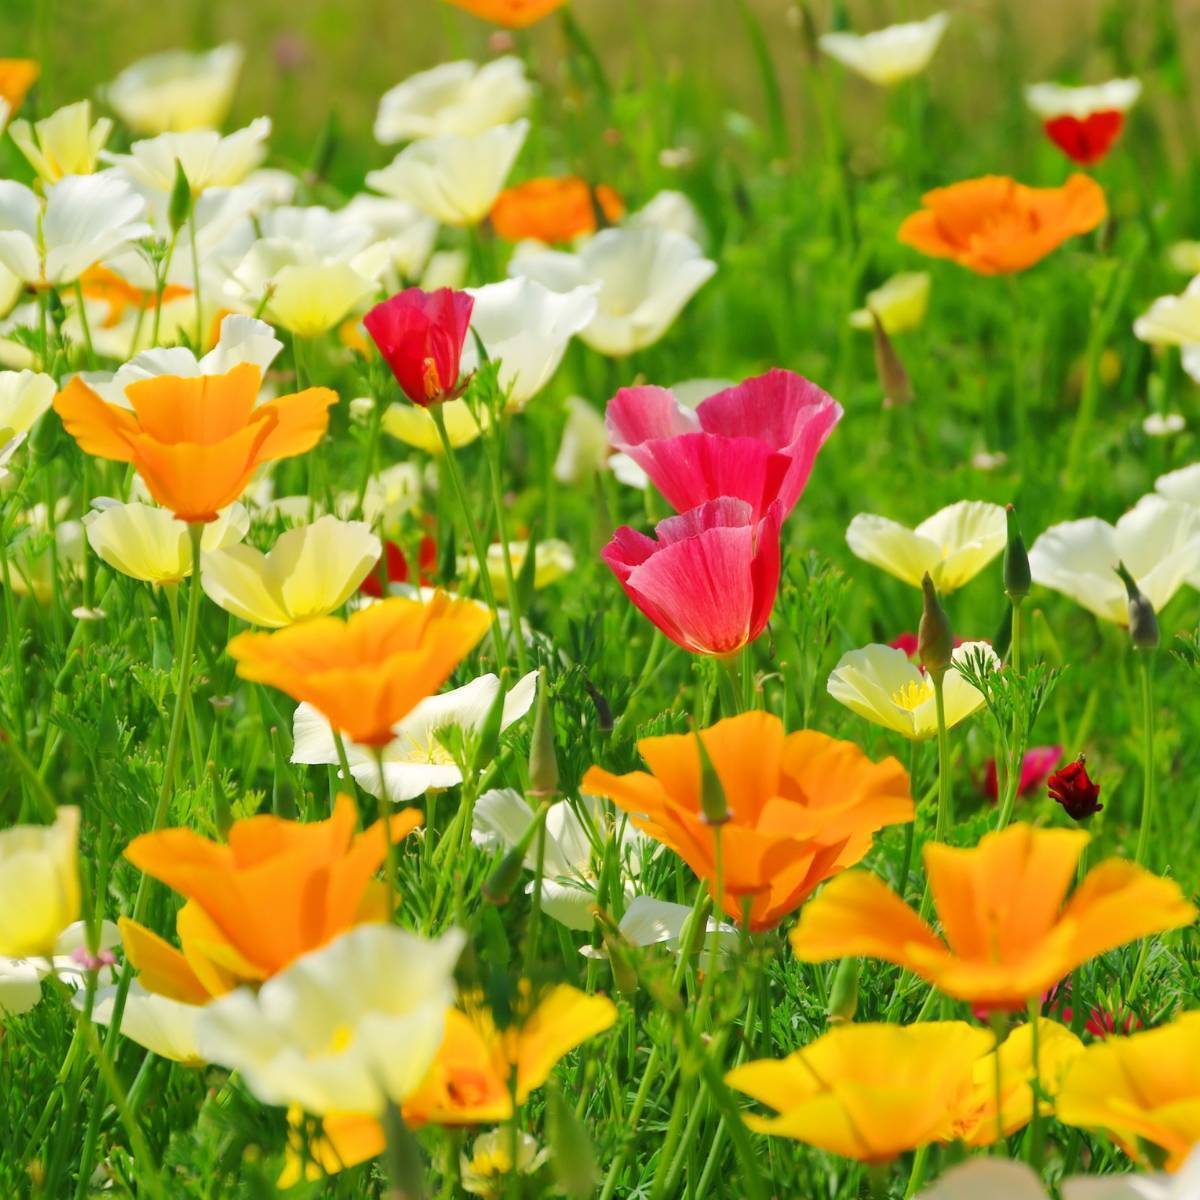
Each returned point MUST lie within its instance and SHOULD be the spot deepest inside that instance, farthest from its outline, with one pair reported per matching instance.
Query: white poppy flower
(409, 233)
(208, 158)
(347, 1028)
(953, 545)
(21, 978)
(900, 303)
(1182, 485)
(83, 219)
(526, 327)
(176, 90)
(454, 178)
(889, 55)
(1158, 540)
(670, 211)
(1175, 321)
(64, 143)
(883, 685)
(645, 278)
(1053, 100)
(652, 922)
(24, 397)
(415, 760)
(458, 98)
(165, 1026)
(568, 880)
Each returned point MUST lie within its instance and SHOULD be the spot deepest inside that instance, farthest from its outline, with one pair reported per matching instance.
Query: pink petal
(640, 414)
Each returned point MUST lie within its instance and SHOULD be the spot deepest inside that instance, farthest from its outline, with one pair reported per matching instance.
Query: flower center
(913, 694)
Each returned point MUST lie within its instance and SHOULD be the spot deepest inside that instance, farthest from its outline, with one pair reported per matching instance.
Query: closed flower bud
(712, 794)
(543, 762)
(499, 886)
(402, 1157)
(843, 997)
(935, 639)
(1143, 624)
(1072, 788)
(893, 378)
(179, 206)
(573, 1156)
(1017, 576)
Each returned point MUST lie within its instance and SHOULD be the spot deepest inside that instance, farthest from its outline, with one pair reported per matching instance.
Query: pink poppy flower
(1036, 766)
(756, 441)
(709, 581)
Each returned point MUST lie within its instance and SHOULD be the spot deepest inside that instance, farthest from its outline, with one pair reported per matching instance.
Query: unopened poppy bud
(692, 933)
(1017, 577)
(843, 997)
(571, 1151)
(402, 1157)
(893, 378)
(179, 206)
(1143, 624)
(489, 734)
(712, 794)
(499, 886)
(935, 638)
(222, 812)
(623, 971)
(543, 761)
(1072, 788)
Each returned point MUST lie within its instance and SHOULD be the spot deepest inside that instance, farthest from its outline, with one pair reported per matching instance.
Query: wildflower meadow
(599, 599)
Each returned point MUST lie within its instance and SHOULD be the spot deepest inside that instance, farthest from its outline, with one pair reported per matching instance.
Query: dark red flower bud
(397, 567)
(421, 335)
(1072, 788)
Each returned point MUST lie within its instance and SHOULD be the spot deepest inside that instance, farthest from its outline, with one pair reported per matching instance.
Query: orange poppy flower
(1143, 1088)
(103, 284)
(365, 673)
(17, 76)
(803, 807)
(277, 890)
(553, 210)
(515, 14)
(1009, 936)
(196, 442)
(469, 1081)
(996, 226)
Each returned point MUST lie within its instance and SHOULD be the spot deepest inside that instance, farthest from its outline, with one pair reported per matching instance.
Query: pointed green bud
(499, 886)
(1143, 624)
(488, 740)
(843, 996)
(222, 810)
(179, 206)
(571, 1151)
(543, 762)
(893, 378)
(712, 794)
(935, 639)
(694, 931)
(1017, 577)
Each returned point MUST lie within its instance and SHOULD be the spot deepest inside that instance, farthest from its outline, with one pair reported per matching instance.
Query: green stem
(339, 744)
(473, 530)
(195, 284)
(493, 455)
(1149, 789)
(945, 799)
(85, 326)
(1035, 1116)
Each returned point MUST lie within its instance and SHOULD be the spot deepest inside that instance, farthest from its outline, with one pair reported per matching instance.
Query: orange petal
(101, 429)
(204, 409)
(160, 967)
(302, 419)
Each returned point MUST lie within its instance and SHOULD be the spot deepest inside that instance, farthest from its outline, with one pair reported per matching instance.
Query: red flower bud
(1072, 788)
(397, 567)
(1088, 139)
(421, 335)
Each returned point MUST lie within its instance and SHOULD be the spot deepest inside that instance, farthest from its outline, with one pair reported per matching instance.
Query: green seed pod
(1017, 577)
(499, 886)
(893, 378)
(712, 794)
(935, 639)
(571, 1151)
(1143, 624)
(543, 762)
(843, 997)
(179, 207)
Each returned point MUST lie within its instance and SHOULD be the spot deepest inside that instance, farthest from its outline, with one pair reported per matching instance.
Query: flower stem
(160, 286)
(493, 455)
(195, 284)
(1149, 789)
(1035, 1119)
(473, 531)
(945, 800)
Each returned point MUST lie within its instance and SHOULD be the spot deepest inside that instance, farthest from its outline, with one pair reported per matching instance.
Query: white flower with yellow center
(486, 1171)
(645, 276)
(177, 90)
(457, 98)
(39, 884)
(208, 158)
(309, 572)
(151, 544)
(345, 1029)
(888, 56)
(416, 759)
(883, 685)
(64, 143)
(454, 179)
(1158, 540)
(900, 303)
(953, 545)
(82, 219)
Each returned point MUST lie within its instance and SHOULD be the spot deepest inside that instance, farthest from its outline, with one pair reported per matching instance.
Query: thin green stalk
(473, 530)
(917, 1175)
(85, 326)
(1149, 782)
(1035, 1116)
(195, 282)
(339, 744)
(945, 799)
(493, 453)
(535, 911)
(13, 637)
(160, 286)
(385, 820)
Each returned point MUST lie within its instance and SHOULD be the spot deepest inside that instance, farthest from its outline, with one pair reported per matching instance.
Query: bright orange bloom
(196, 442)
(17, 76)
(277, 890)
(365, 673)
(553, 210)
(803, 807)
(996, 226)
(102, 283)
(1009, 936)
(515, 14)
(871, 1092)
(1143, 1088)
(468, 1083)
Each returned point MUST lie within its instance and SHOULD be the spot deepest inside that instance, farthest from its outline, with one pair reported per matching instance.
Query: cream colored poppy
(900, 303)
(150, 543)
(208, 159)
(1175, 321)
(883, 685)
(177, 90)
(888, 56)
(309, 572)
(953, 545)
(64, 143)
(39, 884)
(24, 397)
(413, 425)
